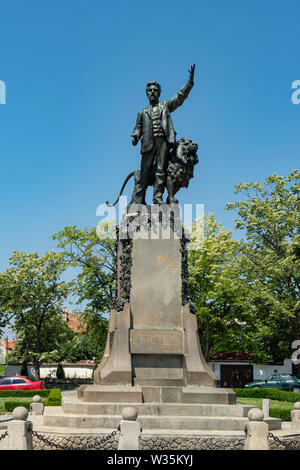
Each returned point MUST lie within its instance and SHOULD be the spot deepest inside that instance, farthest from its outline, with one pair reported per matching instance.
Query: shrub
(23, 393)
(11, 405)
(54, 398)
(23, 370)
(271, 393)
(50, 397)
(60, 373)
(284, 415)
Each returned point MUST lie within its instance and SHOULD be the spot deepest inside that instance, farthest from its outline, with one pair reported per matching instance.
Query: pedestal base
(155, 394)
(153, 357)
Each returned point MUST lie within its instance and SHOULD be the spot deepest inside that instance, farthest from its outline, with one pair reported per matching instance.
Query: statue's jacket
(143, 127)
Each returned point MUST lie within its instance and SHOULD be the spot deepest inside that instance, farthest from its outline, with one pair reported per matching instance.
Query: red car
(20, 383)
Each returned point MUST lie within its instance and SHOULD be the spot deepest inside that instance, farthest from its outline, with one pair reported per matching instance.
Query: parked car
(287, 382)
(20, 383)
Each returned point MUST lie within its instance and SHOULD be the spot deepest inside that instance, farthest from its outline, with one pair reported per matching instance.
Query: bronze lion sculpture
(183, 157)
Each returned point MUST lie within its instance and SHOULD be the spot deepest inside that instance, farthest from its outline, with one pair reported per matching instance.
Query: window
(273, 377)
(5, 382)
(18, 381)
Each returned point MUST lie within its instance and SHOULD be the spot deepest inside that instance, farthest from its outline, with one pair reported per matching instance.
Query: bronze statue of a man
(154, 125)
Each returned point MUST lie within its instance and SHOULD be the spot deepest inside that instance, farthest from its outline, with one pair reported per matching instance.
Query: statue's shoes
(172, 200)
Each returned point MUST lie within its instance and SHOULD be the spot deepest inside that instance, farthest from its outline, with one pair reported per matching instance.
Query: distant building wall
(260, 371)
(81, 370)
(84, 369)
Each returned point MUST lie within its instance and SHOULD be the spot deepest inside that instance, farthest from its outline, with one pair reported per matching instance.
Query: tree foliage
(269, 213)
(60, 373)
(247, 292)
(87, 345)
(94, 255)
(95, 258)
(31, 296)
(216, 289)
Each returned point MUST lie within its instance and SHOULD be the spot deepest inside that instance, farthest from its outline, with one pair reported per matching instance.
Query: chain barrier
(288, 445)
(86, 447)
(3, 435)
(5, 420)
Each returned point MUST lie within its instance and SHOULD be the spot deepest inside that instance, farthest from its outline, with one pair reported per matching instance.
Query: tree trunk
(36, 365)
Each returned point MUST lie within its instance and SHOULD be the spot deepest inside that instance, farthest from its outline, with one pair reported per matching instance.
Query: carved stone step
(154, 422)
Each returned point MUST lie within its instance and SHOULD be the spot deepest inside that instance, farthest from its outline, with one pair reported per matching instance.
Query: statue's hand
(134, 139)
(192, 72)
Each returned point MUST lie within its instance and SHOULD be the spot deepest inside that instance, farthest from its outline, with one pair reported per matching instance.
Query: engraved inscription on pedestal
(156, 342)
(156, 284)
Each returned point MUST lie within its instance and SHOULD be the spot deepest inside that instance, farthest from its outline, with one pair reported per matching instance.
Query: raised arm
(179, 98)
(192, 73)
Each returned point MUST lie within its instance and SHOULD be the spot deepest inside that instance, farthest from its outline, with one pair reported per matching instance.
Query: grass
(49, 398)
(257, 402)
(3, 400)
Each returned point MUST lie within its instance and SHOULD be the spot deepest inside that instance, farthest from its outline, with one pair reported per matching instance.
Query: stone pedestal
(153, 360)
(153, 334)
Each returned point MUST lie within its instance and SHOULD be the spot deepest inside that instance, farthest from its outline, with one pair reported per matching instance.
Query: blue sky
(75, 75)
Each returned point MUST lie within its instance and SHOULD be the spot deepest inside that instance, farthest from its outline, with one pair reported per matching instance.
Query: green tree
(85, 345)
(93, 253)
(31, 296)
(60, 373)
(95, 257)
(217, 290)
(269, 213)
(23, 370)
(4, 322)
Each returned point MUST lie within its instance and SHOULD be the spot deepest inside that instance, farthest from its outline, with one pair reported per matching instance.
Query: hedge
(51, 397)
(271, 393)
(54, 397)
(11, 405)
(24, 393)
(284, 415)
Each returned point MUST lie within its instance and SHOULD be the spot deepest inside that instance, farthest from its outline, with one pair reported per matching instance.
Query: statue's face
(153, 93)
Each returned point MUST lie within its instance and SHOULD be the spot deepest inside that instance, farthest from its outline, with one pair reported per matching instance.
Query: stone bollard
(19, 430)
(295, 414)
(130, 430)
(257, 432)
(266, 407)
(36, 406)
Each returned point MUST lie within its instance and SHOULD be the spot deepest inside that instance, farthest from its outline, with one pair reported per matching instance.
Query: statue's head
(153, 90)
